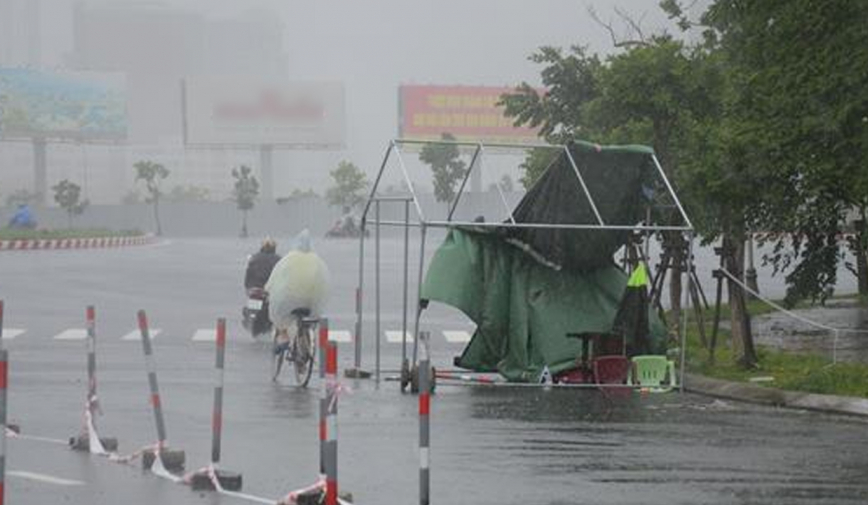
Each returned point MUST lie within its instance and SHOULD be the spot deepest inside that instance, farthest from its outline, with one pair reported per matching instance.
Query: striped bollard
(230, 481)
(172, 460)
(90, 440)
(331, 465)
(324, 401)
(424, 422)
(4, 376)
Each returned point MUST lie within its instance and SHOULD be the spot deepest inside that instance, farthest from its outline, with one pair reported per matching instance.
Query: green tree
(349, 186)
(67, 194)
(446, 166)
(190, 193)
(244, 192)
(152, 174)
(798, 107)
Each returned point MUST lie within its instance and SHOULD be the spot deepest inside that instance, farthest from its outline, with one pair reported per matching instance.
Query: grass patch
(794, 371)
(10, 234)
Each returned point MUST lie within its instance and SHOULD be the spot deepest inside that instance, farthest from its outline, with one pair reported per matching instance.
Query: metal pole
(1, 337)
(424, 423)
(332, 426)
(406, 281)
(358, 339)
(464, 182)
(419, 296)
(217, 414)
(672, 192)
(152, 380)
(90, 315)
(584, 186)
(377, 332)
(686, 310)
(4, 379)
(323, 401)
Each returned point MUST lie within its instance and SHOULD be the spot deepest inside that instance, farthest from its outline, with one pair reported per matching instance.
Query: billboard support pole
(40, 170)
(266, 170)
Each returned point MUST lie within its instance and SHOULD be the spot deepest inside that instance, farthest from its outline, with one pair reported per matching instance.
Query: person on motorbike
(298, 287)
(260, 265)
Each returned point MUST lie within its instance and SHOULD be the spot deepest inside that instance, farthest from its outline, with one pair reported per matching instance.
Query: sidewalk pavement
(775, 397)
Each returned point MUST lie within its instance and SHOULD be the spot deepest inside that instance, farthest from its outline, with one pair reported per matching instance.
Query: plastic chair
(651, 371)
(612, 369)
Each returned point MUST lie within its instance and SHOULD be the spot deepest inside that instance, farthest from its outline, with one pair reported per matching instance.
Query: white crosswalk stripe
(11, 333)
(136, 335)
(72, 334)
(340, 336)
(205, 335)
(394, 336)
(456, 336)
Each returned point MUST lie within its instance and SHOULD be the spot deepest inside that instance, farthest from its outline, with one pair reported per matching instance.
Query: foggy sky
(373, 46)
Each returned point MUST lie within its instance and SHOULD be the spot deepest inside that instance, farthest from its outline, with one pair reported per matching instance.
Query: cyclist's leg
(281, 340)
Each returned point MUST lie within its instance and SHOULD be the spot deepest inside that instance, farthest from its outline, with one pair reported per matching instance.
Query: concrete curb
(775, 397)
(74, 243)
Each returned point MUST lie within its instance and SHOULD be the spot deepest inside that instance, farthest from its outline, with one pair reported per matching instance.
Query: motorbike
(255, 313)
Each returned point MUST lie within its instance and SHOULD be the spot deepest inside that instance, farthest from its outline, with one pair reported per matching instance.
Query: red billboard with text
(469, 113)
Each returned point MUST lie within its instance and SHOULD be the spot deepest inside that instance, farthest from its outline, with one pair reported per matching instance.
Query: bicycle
(301, 351)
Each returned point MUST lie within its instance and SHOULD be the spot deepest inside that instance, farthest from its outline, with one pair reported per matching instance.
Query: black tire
(304, 355)
(277, 360)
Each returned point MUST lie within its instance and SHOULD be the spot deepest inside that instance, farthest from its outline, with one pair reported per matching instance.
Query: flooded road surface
(489, 445)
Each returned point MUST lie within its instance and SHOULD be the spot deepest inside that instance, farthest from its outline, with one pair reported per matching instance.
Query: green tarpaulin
(523, 310)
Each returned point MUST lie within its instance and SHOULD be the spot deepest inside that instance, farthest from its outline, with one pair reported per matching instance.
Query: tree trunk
(69, 220)
(742, 337)
(861, 253)
(157, 216)
(243, 224)
(675, 243)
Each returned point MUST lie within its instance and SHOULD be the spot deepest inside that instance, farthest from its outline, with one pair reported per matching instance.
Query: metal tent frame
(374, 201)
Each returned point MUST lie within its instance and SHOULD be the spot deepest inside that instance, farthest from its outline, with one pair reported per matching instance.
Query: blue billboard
(83, 106)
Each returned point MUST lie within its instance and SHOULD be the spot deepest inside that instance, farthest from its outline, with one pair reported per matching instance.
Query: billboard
(248, 112)
(469, 113)
(68, 105)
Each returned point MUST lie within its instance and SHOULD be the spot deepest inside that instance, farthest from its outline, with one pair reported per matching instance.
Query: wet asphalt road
(489, 446)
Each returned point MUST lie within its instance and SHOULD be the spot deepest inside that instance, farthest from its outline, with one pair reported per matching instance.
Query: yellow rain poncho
(300, 280)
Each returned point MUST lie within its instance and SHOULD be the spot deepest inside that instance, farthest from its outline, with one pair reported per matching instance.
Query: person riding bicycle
(260, 265)
(298, 284)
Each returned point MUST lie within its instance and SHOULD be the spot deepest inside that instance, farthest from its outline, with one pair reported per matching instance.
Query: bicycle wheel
(304, 355)
(278, 357)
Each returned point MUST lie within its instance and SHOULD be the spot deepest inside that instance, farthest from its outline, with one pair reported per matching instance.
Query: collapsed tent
(526, 288)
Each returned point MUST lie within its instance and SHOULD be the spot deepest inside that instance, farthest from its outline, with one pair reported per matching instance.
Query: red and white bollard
(424, 422)
(323, 343)
(169, 459)
(211, 477)
(4, 376)
(331, 463)
(89, 440)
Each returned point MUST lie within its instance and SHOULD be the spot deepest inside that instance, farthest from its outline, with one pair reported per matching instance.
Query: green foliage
(244, 192)
(189, 193)
(22, 197)
(67, 194)
(152, 174)
(349, 186)
(246, 187)
(10, 234)
(446, 165)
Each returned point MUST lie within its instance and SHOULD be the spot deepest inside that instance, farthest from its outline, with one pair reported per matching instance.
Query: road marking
(136, 335)
(394, 336)
(11, 333)
(41, 477)
(72, 334)
(456, 336)
(205, 335)
(340, 336)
